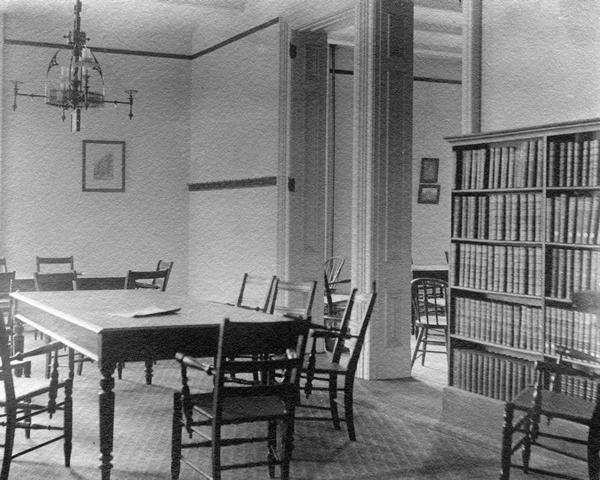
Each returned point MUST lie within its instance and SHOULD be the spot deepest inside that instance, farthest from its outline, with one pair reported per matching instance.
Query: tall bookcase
(525, 235)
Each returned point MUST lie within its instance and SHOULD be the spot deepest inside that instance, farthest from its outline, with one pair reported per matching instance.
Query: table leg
(149, 370)
(18, 342)
(106, 401)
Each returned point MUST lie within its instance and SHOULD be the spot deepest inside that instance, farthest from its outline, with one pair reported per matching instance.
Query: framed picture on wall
(429, 194)
(103, 168)
(429, 170)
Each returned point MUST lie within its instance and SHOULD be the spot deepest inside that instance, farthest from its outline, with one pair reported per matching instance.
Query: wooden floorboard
(400, 428)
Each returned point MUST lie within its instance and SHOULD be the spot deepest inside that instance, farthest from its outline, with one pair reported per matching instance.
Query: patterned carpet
(400, 436)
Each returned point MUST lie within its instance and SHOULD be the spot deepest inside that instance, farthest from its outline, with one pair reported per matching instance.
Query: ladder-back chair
(279, 346)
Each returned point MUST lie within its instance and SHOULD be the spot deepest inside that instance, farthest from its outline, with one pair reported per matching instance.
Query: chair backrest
(160, 282)
(332, 267)
(256, 292)
(52, 282)
(54, 264)
(6, 374)
(429, 300)
(294, 298)
(356, 326)
(3, 267)
(279, 346)
(6, 279)
(99, 283)
(22, 285)
(134, 275)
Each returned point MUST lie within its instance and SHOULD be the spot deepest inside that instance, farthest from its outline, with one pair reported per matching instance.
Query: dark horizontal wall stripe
(235, 38)
(230, 184)
(118, 51)
(437, 80)
(416, 79)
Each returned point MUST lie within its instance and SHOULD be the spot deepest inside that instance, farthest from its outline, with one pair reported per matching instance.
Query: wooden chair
(327, 368)
(6, 279)
(159, 283)
(566, 390)
(54, 282)
(99, 283)
(25, 399)
(280, 346)
(59, 282)
(132, 281)
(429, 312)
(159, 276)
(257, 292)
(49, 263)
(294, 299)
(332, 268)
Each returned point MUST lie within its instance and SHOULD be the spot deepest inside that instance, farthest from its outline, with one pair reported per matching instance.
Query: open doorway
(437, 113)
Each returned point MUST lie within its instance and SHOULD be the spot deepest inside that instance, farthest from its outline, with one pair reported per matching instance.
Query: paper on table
(148, 312)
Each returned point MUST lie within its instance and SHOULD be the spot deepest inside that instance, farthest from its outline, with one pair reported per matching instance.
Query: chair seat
(323, 364)
(242, 409)
(557, 405)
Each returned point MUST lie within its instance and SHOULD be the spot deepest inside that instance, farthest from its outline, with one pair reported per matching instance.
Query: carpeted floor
(399, 428)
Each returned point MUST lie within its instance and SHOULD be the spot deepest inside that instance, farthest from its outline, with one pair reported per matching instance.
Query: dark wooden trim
(231, 184)
(437, 80)
(235, 38)
(337, 71)
(119, 51)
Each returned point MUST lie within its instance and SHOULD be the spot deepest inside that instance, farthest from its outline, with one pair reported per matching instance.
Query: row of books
(571, 329)
(502, 377)
(511, 216)
(492, 375)
(499, 268)
(573, 219)
(573, 163)
(573, 269)
(518, 166)
(508, 324)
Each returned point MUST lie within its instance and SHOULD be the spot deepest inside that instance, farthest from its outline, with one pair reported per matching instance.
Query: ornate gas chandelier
(80, 85)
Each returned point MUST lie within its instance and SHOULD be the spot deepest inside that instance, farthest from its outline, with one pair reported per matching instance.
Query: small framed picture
(429, 194)
(429, 170)
(103, 168)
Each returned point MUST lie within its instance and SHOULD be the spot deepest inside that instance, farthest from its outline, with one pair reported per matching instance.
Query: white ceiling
(186, 26)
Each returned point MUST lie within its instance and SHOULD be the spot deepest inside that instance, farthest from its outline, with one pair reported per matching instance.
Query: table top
(99, 323)
(104, 310)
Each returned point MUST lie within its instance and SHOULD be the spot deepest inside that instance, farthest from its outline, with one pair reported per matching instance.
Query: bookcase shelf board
(525, 236)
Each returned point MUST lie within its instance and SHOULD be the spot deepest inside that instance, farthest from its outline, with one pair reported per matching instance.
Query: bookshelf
(525, 236)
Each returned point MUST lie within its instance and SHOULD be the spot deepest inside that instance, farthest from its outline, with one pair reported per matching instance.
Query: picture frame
(103, 166)
(429, 170)
(429, 193)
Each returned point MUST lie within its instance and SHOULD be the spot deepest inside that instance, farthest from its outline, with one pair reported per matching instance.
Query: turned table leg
(106, 402)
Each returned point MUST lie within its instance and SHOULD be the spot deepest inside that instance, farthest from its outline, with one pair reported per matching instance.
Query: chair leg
(149, 363)
(424, 341)
(9, 440)
(216, 452)
(176, 437)
(80, 359)
(348, 408)
(335, 416)
(271, 446)
(507, 431)
(288, 445)
(120, 366)
(526, 450)
(68, 421)
(27, 415)
(419, 339)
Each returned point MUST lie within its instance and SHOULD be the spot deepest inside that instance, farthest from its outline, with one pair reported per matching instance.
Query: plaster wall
(44, 210)
(234, 136)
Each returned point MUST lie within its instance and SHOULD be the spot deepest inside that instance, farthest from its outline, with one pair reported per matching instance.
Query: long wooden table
(90, 323)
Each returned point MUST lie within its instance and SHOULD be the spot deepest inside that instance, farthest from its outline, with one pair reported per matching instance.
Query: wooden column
(382, 173)
(471, 67)
(305, 199)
